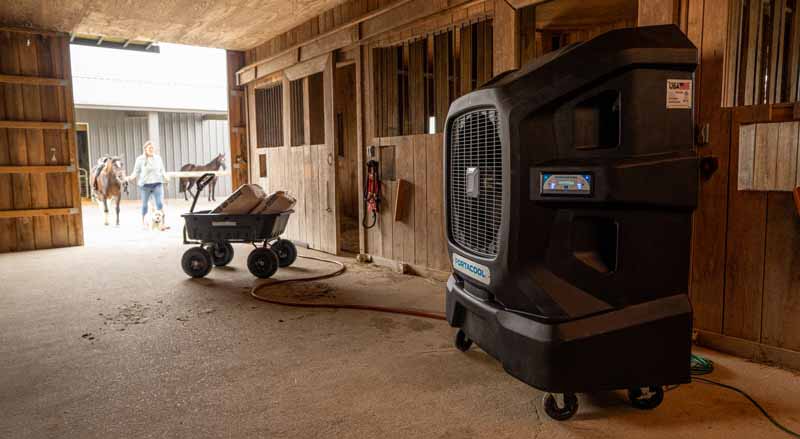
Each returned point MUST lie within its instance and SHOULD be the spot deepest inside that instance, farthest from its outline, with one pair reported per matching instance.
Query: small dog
(155, 220)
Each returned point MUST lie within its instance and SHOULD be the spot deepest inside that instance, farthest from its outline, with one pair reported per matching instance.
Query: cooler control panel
(552, 183)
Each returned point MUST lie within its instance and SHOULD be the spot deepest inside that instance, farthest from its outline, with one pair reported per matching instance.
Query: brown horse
(109, 183)
(186, 183)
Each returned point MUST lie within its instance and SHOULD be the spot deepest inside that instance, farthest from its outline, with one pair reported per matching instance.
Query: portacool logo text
(471, 269)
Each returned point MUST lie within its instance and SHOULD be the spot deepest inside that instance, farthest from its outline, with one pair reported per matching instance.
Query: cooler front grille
(475, 161)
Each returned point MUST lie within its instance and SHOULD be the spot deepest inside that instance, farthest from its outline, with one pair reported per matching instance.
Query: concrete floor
(113, 340)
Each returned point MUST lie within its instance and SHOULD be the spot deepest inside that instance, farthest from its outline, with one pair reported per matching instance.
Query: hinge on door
(71, 168)
(703, 134)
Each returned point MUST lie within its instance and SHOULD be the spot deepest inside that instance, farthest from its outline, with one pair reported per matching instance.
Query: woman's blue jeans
(156, 190)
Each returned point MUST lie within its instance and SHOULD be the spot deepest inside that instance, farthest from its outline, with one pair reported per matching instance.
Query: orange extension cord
(405, 311)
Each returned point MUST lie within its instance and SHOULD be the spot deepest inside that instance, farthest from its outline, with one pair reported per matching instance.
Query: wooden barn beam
(26, 213)
(36, 169)
(506, 37)
(519, 4)
(653, 12)
(31, 80)
(28, 125)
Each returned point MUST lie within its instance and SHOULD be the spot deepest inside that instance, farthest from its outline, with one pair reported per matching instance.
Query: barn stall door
(293, 148)
(39, 195)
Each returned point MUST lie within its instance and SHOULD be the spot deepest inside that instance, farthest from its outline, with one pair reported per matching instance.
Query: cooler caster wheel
(463, 342)
(561, 413)
(646, 400)
(196, 262)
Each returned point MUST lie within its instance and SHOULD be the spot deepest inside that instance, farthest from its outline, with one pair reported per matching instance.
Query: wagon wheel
(196, 262)
(262, 262)
(221, 253)
(286, 251)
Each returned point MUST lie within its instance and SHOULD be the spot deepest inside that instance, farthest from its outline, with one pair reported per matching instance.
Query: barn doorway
(346, 139)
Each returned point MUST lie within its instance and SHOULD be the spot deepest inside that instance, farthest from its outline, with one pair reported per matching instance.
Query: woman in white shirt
(149, 175)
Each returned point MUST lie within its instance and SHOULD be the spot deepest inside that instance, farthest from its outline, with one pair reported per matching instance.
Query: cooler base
(642, 345)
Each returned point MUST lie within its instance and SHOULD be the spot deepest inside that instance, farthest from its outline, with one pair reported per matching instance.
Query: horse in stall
(186, 183)
(109, 181)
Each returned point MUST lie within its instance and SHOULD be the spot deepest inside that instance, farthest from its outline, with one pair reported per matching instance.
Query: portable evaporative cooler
(570, 185)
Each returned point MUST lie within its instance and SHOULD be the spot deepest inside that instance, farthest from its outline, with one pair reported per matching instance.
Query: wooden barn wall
(396, 40)
(183, 138)
(744, 285)
(344, 14)
(417, 237)
(39, 195)
(308, 172)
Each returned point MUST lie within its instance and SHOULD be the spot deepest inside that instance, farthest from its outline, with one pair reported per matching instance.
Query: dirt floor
(113, 340)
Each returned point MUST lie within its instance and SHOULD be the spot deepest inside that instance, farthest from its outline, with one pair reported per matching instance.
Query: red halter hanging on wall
(372, 194)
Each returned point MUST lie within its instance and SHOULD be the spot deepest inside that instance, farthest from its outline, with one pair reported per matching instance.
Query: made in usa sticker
(679, 94)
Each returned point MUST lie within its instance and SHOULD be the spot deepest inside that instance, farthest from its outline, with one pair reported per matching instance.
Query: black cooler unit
(570, 185)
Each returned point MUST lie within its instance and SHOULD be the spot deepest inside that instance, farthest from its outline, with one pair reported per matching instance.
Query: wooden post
(505, 40)
(237, 117)
(653, 12)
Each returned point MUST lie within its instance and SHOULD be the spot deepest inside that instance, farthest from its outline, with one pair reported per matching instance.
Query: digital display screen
(566, 184)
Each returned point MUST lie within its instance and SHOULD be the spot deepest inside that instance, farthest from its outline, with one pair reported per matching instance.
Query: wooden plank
(337, 40)
(329, 161)
(306, 68)
(8, 227)
(466, 60)
(787, 151)
(385, 223)
(392, 93)
(279, 63)
(44, 169)
(68, 105)
(29, 65)
(765, 158)
(654, 12)
(236, 121)
(29, 213)
(415, 10)
(360, 142)
(437, 244)
(796, 194)
(527, 34)
(420, 145)
(33, 125)
(313, 193)
(747, 145)
(441, 77)
(751, 350)
(14, 103)
(505, 38)
(744, 267)
(404, 203)
(710, 221)
(32, 80)
(372, 236)
(54, 109)
(416, 89)
(781, 281)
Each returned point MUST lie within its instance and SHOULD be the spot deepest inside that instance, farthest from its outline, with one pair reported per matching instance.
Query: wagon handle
(201, 183)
